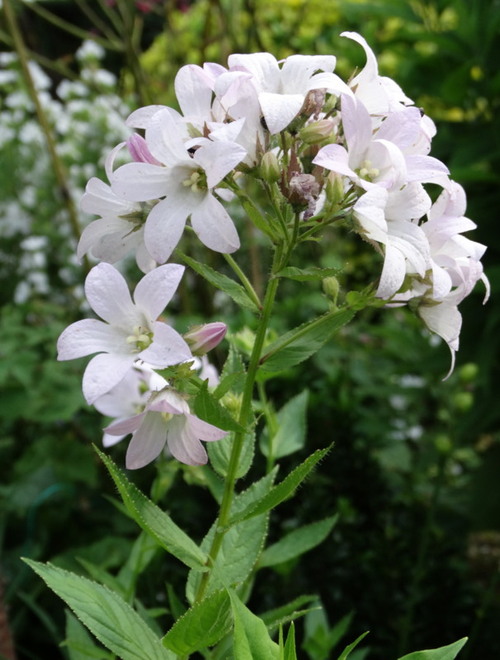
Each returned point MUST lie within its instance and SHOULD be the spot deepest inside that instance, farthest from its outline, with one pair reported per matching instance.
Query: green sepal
(207, 407)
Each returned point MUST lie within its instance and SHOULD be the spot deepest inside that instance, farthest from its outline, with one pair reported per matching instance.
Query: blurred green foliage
(414, 470)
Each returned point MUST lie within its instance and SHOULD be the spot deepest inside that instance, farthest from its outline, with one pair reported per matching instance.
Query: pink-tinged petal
(103, 372)
(168, 347)
(165, 137)
(408, 203)
(218, 159)
(156, 289)
(99, 199)
(97, 231)
(123, 427)
(139, 182)
(114, 247)
(214, 227)
(335, 158)
(165, 225)
(297, 71)
(183, 444)
(111, 440)
(425, 169)
(141, 118)
(147, 442)
(203, 430)
(263, 67)
(403, 128)
(193, 89)
(357, 125)
(280, 109)
(393, 273)
(86, 337)
(109, 163)
(108, 295)
(329, 81)
(412, 243)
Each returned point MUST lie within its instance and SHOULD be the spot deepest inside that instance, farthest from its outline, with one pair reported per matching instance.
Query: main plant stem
(243, 419)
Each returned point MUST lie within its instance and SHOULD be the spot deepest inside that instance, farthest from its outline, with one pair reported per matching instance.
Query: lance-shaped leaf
(282, 491)
(220, 454)
(297, 542)
(221, 282)
(203, 625)
(79, 643)
(449, 652)
(251, 638)
(105, 613)
(347, 651)
(288, 651)
(154, 521)
(299, 344)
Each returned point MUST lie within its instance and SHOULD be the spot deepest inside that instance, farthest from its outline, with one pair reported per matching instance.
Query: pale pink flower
(166, 420)
(203, 338)
(129, 330)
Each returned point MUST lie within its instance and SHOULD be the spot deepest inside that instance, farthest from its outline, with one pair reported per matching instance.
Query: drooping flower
(166, 420)
(129, 330)
(129, 397)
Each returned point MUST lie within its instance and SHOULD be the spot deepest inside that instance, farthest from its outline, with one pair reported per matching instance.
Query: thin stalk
(244, 280)
(244, 420)
(69, 27)
(57, 164)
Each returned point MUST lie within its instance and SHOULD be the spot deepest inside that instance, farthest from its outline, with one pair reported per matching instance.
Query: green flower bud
(331, 287)
(334, 188)
(317, 131)
(270, 168)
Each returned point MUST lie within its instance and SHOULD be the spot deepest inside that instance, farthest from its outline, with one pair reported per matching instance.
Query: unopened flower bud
(317, 131)
(331, 287)
(334, 188)
(202, 338)
(270, 168)
(139, 150)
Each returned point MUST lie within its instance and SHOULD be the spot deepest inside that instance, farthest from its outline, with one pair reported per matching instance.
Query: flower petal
(203, 430)
(123, 427)
(86, 337)
(214, 227)
(280, 109)
(165, 225)
(103, 372)
(156, 289)
(139, 182)
(168, 347)
(218, 159)
(108, 295)
(147, 442)
(183, 443)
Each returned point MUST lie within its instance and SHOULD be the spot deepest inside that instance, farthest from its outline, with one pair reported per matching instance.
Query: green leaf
(297, 542)
(154, 521)
(220, 452)
(302, 342)
(260, 221)
(449, 652)
(105, 613)
(232, 376)
(80, 644)
(251, 638)
(291, 433)
(207, 408)
(289, 652)
(241, 545)
(284, 490)
(307, 274)
(288, 612)
(203, 625)
(347, 651)
(222, 282)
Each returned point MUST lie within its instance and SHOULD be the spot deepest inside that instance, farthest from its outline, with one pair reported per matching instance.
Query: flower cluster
(321, 148)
